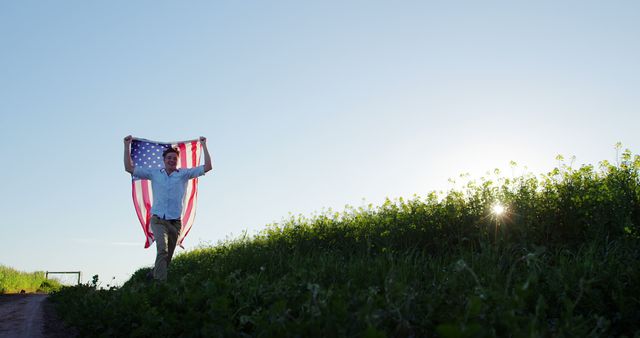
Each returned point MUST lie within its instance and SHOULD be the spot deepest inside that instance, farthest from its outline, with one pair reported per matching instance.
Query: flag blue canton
(147, 154)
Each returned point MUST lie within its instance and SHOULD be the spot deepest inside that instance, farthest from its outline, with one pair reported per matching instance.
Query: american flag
(148, 154)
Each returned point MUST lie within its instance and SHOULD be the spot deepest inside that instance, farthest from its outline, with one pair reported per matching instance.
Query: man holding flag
(170, 177)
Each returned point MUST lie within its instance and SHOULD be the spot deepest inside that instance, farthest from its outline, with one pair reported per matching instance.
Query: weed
(562, 259)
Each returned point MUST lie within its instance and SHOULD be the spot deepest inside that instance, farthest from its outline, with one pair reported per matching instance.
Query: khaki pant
(165, 233)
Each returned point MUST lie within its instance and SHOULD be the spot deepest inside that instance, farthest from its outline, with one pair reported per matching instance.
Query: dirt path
(29, 315)
(21, 315)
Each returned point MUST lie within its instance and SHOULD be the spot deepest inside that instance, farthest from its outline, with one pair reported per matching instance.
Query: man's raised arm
(128, 166)
(208, 165)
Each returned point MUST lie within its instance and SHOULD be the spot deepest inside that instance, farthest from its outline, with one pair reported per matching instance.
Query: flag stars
(149, 155)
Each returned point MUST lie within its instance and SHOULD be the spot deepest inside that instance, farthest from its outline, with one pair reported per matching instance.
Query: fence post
(79, 273)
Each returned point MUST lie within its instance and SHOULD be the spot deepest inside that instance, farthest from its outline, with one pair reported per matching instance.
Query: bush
(562, 261)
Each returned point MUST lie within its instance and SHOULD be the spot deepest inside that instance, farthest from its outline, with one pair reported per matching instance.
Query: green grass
(563, 261)
(14, 281)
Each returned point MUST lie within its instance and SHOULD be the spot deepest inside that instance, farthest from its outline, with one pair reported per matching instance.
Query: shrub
(562, 261)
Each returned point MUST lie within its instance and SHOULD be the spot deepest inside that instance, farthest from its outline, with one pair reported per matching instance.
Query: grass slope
(563, 261)
(14, 281)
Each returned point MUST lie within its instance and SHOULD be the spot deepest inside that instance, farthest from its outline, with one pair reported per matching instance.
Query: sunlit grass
(14, 281)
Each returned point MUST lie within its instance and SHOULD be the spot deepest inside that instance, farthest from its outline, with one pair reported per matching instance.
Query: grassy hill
(563, 260)
(14, 281)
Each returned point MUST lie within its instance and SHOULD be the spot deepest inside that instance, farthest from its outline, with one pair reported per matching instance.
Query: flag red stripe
(135, 201)
(145, 197)
(189, 214)
(183, 155)
(138, 211)
(194, 186)
(194, 151)
(147, 205)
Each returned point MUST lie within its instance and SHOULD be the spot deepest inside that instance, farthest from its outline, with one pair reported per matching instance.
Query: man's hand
(208, 165)
(128, 166)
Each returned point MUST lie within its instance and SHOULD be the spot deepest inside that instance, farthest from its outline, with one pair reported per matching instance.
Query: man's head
(170, 156)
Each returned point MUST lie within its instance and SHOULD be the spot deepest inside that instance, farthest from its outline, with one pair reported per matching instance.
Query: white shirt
(168, 190)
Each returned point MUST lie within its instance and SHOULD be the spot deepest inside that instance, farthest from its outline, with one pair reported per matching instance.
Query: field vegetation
(562, 260)
(14, 281)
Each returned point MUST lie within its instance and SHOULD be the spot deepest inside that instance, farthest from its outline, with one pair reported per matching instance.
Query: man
(168, 185)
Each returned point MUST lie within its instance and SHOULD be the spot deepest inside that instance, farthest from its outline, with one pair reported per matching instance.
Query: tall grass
(14, 281)
(563, 261)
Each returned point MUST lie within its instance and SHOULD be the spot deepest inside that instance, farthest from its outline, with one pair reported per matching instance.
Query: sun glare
(498, 209)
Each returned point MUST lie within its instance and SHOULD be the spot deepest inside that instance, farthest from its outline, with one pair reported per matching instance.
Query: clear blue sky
(306, 105)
